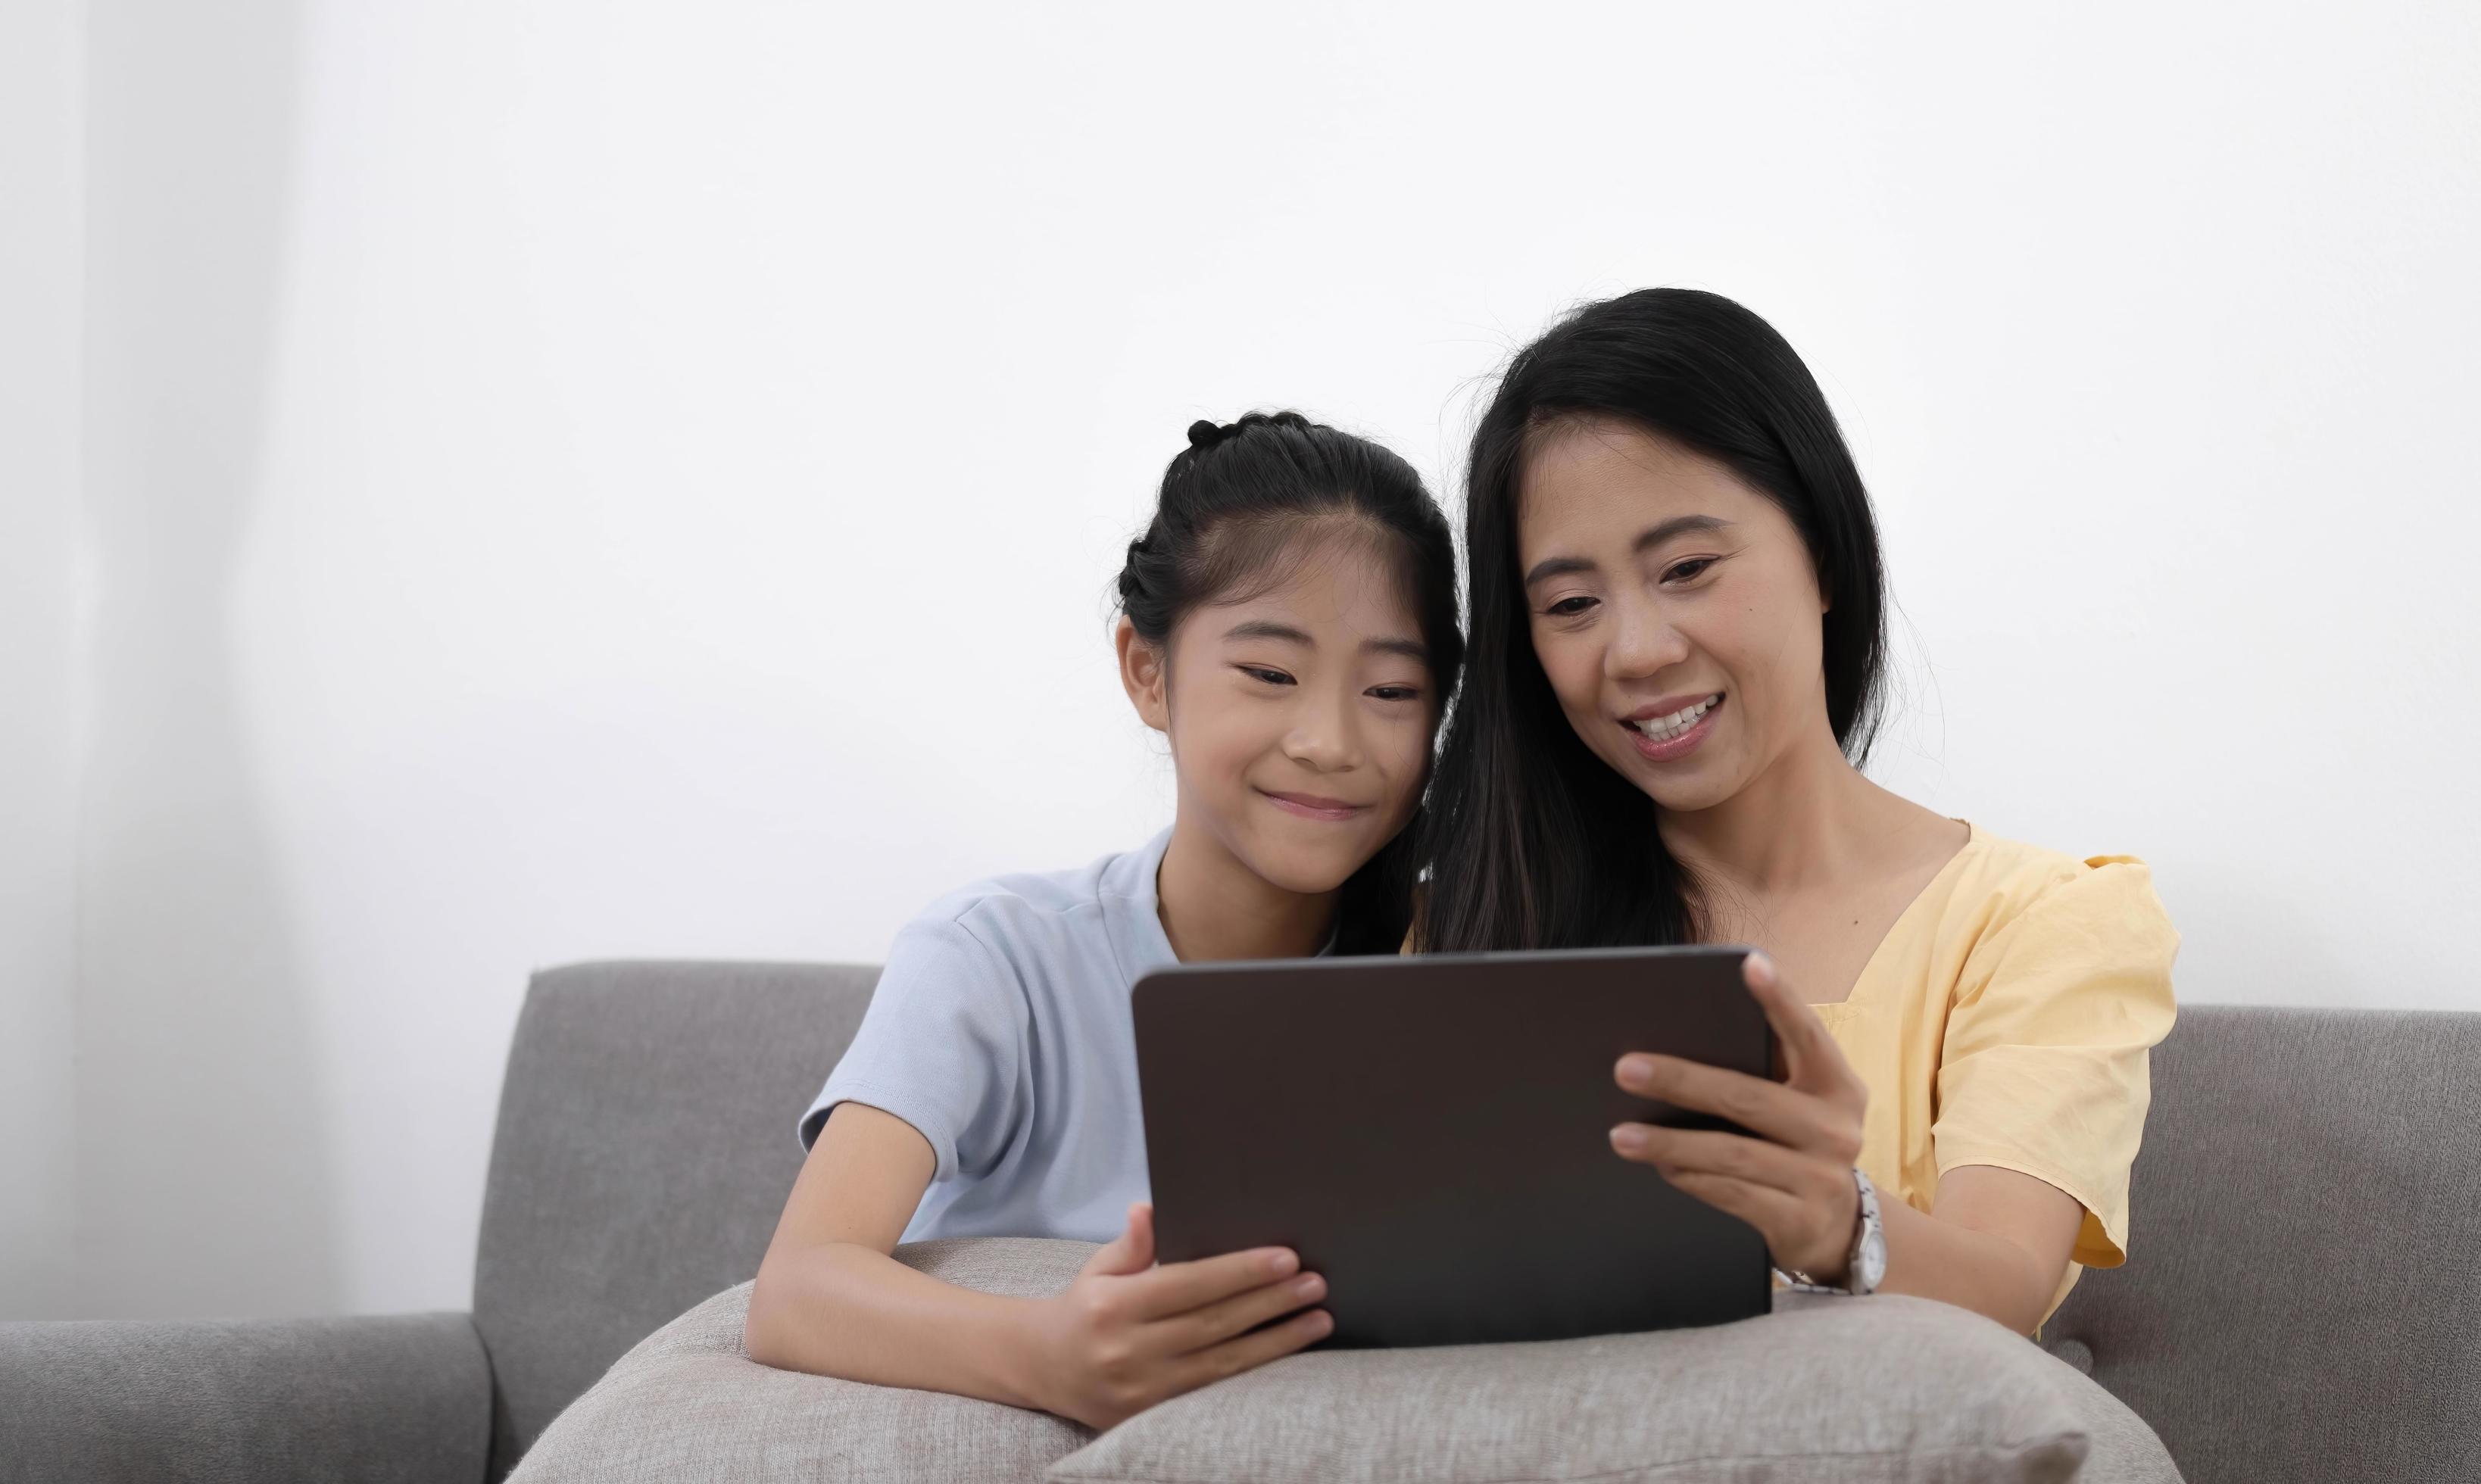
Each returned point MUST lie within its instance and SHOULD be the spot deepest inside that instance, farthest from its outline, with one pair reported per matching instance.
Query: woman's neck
(1805, 819)
(1215, 907)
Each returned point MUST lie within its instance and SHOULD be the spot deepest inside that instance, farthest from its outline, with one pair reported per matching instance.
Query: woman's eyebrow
(1647, 539)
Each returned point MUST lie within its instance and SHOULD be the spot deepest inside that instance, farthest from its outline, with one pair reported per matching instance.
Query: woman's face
(1674, 609)
(1300, 719)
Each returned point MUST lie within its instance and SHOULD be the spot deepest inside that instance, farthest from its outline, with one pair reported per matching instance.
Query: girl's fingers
(1775, 1110)
(1180, 1287)
(1239, 1315)
(1249, 1351)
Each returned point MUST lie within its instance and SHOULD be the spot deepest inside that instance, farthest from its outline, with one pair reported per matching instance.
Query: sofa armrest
(399, 1397)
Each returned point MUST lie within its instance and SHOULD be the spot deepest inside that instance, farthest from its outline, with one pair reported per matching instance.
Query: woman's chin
(1677, 790)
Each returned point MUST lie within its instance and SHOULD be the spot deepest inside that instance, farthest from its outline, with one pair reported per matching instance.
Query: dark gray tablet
(1433, 1135)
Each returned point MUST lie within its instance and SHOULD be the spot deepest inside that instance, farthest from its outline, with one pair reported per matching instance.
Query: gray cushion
(644, 1146)
(1864, 1389)
(2301, 1299)
(404, 1399)
(689, 1404)
(2339, 1148)
(1846, 1390)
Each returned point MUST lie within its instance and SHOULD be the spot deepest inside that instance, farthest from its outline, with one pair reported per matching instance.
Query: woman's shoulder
(2019, 873)
(2003, 883)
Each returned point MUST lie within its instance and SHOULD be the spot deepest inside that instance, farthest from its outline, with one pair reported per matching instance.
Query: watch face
(1870, 1264)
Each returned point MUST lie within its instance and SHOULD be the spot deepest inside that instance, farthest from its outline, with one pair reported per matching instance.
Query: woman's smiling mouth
(1668, 730)
(1311, 806)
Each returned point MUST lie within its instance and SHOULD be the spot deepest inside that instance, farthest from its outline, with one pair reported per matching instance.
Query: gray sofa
(2304, 1302)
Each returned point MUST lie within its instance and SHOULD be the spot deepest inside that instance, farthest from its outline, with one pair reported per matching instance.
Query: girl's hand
(1793, 1180)
(1127, 1335)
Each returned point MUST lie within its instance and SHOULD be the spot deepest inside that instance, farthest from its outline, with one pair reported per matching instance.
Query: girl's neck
(1215, 907)
(1805, 819)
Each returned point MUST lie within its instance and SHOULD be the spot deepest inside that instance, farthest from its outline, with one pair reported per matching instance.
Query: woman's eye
(1689, 570)
(1569, 608)
(1396, 692)
(1262, 673)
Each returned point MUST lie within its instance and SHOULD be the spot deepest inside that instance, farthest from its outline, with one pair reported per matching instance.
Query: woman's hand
(1126, 1334)
(1793, 1180)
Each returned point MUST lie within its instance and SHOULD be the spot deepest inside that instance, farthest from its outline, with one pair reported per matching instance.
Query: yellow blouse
(2006, 1020)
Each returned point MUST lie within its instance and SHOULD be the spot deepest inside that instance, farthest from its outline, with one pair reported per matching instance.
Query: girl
(1289, 623)
(1676, 647)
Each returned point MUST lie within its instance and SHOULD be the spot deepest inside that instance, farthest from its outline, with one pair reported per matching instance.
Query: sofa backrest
(2300, 1302)
(2301, 1297)
(645, 1149)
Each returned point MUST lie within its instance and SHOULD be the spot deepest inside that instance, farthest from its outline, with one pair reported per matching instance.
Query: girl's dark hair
(1533, 840)
(1234, 503)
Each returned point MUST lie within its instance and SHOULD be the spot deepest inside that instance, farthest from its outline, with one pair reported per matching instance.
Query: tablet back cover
(1432, 1134)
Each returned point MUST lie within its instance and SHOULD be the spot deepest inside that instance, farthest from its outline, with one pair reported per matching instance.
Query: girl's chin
(1306, 871)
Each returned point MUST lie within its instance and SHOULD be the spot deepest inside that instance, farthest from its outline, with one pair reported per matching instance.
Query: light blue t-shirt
(1000, 1030)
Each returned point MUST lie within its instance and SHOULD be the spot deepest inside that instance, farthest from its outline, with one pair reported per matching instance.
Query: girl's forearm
(1981, 1271)
(839, 1309)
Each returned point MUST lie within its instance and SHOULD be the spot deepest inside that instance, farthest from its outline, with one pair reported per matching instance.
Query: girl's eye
(1570, 608)
(1688, 571)
(1396, 692)
(1262, 673)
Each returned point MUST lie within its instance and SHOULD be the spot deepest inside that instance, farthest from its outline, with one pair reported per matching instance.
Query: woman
(1674, 663)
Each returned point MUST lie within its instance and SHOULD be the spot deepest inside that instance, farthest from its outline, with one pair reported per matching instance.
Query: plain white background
(489, 486)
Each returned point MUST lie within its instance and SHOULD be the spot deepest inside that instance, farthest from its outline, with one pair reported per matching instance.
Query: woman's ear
(1142, 674)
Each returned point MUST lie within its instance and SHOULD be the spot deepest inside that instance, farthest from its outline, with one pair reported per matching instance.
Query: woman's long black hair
(1238, 501)
(1532, 841)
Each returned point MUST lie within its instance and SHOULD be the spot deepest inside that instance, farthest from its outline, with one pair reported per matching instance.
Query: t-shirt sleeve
(2044, 1067)
(942, 1047)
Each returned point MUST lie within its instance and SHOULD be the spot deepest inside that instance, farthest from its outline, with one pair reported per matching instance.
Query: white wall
(41, 215)
(595, 478)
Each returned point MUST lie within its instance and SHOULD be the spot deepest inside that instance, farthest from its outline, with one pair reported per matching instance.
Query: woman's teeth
(1665, 728)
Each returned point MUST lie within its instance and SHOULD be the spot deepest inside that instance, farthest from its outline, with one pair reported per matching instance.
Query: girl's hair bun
(1205, 433)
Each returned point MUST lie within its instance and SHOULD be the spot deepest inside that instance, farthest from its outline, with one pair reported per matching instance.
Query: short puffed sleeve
(2043, 1069)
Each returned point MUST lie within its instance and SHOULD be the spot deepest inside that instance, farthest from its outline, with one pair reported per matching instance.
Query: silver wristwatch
(1867, 1265)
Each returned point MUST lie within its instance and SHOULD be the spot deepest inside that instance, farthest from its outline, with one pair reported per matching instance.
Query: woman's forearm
(1982, 1271)
(839, 1309)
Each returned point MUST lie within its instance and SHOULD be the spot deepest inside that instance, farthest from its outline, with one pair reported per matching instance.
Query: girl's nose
(1324, 739)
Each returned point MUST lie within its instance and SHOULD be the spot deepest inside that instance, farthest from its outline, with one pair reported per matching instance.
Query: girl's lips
(1310, 806)
(1679, 746)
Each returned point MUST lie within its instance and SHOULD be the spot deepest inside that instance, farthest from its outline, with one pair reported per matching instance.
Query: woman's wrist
(1829, 1257)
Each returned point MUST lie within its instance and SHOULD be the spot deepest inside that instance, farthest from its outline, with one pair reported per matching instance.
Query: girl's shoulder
(1029, 918)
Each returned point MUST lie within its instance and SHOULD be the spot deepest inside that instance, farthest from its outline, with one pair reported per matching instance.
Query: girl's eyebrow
(1647, 539)
(1410, 649)
(1268, 628)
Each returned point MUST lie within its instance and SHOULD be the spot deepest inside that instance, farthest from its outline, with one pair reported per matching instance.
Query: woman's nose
(1644, 641)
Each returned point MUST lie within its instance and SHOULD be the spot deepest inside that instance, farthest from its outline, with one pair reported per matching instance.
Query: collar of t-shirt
(1135, 912)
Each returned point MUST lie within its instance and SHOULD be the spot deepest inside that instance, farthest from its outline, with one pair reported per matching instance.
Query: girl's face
(1674, 609)
(1300, 718)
